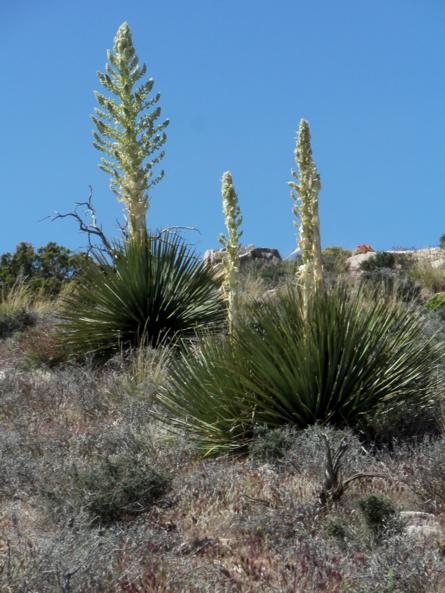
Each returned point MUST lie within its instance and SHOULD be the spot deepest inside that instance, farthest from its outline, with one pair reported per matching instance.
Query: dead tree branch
(94, 230)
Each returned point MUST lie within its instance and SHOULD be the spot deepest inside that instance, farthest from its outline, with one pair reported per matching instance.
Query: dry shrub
(41, 346)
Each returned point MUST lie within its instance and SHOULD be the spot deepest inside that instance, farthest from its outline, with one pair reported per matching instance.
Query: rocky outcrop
(432, 255)
(355, 261)
(248, 253)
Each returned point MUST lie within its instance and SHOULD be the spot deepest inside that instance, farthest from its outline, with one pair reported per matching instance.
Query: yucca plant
(156, 291)
(206, 396)
(332, 362)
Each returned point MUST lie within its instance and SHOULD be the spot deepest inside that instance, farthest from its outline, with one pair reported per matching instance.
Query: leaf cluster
(351, 354)
(155, 292)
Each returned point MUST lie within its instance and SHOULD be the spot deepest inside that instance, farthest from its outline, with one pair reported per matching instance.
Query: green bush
(353, 353)
(154, 293)
(380, 516)
(392, 272)
(270, 445)
(386, 260)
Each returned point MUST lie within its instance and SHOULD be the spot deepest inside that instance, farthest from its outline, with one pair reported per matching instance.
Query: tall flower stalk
(231, 244)
(128, 130)
(304, 190)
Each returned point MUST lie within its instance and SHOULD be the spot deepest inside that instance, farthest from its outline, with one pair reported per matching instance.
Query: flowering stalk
(305, 189)
(128, 130)
(231, 244)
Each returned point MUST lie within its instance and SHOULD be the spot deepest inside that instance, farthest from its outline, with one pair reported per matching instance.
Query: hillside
(99, 495)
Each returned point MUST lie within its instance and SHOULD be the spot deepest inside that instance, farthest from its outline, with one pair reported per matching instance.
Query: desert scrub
(334, 261)
(401, 565)
(392, 272)
(386, 260)
(16, 311)
(428, 480)
(140, 371)
(428, 276)
(271, 445)
(405, 421)
(116, 477)
(19, 468)
(270, 274)
(42, 347)
(71, 395)
(81, 558)
(303, 451)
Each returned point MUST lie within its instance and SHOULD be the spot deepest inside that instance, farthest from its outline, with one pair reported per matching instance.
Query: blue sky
(235, 77)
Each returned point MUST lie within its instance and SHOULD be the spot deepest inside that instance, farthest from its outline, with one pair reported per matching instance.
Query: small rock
(422, 525)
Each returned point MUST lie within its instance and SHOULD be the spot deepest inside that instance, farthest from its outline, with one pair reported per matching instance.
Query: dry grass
(20, 297)
(245, 524)
(429, 276)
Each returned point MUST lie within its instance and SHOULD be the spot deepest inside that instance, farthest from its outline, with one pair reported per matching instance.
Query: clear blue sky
(235, 77)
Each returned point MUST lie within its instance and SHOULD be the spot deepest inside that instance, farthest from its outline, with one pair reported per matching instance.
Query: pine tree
(127, 130)
(305, 190)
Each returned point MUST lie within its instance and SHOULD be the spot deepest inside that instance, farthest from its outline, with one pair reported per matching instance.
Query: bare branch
(170, 229)
(92, 229)
(362, 475)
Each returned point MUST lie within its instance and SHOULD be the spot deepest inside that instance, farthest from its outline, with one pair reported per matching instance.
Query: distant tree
(56, 265)
(20, 265)
(127, 130)
(45, 270)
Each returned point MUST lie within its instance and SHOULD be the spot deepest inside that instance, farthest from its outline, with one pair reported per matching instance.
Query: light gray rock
(431, 255)
(247, 254)
(355, 261)
(422, 525)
